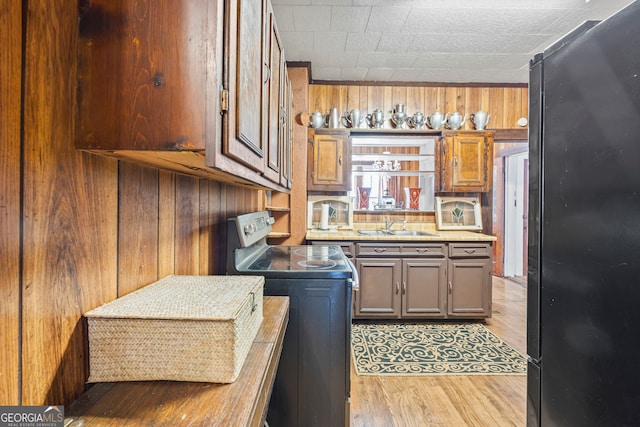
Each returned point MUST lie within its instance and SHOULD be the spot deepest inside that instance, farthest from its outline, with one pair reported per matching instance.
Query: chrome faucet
(388, 224)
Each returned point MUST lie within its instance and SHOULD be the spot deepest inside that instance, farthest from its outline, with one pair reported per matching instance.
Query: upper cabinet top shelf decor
(197, 88)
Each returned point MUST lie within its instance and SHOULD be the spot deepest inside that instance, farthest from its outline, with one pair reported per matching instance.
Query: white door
(514, 214)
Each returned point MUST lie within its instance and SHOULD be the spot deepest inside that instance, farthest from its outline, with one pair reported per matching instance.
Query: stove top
(300, 258)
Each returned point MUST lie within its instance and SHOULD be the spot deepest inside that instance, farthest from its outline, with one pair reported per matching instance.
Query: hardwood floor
(452, 401)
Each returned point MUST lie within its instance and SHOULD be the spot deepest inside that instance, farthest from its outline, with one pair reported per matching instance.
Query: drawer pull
(404, 287)
(470, 251)
(422, 250)
(397, 288)
(380, 250)
(450, 289)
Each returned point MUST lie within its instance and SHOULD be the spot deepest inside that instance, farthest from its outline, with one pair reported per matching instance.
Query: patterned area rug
(432, 349)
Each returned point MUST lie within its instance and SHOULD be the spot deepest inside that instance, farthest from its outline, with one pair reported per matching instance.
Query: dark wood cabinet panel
(245, 78)
(329, 161)
(466, 162)
(144, 79)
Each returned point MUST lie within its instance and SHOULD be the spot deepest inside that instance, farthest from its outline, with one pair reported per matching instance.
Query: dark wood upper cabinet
(145, 78)
(183, 86)
(329, 160)
(466, 162)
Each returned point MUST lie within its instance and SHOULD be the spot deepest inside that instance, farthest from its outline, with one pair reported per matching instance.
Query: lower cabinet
(469, 280)
(423, 280)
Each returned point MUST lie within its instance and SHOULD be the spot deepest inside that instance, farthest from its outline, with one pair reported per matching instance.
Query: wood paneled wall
(10, 71)
(78, 230)
(505, 104)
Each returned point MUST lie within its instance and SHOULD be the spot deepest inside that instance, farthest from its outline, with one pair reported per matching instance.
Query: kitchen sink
(396, 233)
(372, 232)
(411, 233)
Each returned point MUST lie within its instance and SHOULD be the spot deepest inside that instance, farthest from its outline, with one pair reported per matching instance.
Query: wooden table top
(172, 403)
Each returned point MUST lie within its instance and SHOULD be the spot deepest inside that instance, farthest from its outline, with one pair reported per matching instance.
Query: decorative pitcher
(417, 121)
(333, 119)
(317, 120)
(352, 119)
(455, 121)
(479, 119)
(399, 116)
(436, 120)
(375, 119)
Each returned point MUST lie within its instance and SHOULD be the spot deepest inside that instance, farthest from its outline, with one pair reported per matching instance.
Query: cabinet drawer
(424, 250)
(378, 249)
(466, 250)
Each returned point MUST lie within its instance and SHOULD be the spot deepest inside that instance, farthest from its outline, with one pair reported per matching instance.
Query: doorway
(515, 214)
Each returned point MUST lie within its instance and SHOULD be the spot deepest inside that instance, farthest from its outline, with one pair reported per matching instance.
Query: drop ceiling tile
(332, 2)
(326, 73)
(291, 2)
(393, 43)
(297, 46)
(329, 42)
(385, 60)
(284, 18)
(387, 19)
(379, 74)
(311, 18)
(362, 42)
(405, 74)
(351, 19)
(354, 74)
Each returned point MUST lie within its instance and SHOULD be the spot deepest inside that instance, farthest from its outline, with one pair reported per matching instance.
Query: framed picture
(458, 213)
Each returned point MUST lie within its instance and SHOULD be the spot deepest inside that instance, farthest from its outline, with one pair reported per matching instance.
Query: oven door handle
(355, 278)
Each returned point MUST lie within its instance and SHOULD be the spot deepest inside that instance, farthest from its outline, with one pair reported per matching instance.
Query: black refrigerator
(583, 316)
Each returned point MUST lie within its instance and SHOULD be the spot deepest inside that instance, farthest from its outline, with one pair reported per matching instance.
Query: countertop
(438, 235)
(174, 403)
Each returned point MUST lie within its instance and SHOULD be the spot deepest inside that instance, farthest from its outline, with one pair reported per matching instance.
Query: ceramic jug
(352, 119)
(479, 119)
(436, 120)
(375, 119)
(455, 121)
(333, 119)
(417, 121)
(317, 120)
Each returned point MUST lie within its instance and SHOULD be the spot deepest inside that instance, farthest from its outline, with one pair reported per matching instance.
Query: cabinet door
(330, 162)
(469, 287)
(379, 290)
(424, 287)
(245, 73)
(144, 81)
(466, 161)
(275, 98)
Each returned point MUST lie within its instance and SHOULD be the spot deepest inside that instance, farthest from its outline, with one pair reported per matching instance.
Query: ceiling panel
(475, 41)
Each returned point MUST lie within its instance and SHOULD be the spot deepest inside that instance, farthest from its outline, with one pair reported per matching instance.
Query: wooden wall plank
(10, 97)
(187, 225)
(166, 224)
(137, 227)
(70, 214)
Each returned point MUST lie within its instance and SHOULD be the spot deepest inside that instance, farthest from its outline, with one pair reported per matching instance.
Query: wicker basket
(180, 328)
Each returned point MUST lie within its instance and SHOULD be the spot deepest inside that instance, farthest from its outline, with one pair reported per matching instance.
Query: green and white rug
(432, 349)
